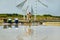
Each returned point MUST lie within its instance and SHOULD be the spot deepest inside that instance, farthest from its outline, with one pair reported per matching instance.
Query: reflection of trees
(47, 15)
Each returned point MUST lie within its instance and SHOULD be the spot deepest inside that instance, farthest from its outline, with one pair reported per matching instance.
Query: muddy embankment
(51, 23)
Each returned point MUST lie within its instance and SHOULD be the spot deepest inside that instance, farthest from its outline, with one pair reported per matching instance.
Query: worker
(5, 20)
(10, 23)
(16, 20)
(29, 16)
(9, 20)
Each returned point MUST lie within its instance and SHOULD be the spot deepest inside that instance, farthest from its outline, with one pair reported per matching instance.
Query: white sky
(9, 6)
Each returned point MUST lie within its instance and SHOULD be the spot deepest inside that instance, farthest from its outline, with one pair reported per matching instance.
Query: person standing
(5, 20)
(16, 20)
(29, 16)
(9, 21)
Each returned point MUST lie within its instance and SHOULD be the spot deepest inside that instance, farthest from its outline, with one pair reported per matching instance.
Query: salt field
(40, 32)
(29, 20)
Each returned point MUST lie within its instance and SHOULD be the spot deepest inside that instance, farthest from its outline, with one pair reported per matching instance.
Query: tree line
(20, 15)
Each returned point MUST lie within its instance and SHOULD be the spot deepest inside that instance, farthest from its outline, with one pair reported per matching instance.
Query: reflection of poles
(29, 31)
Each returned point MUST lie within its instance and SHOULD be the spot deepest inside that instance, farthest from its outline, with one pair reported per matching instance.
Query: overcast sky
(9, 6)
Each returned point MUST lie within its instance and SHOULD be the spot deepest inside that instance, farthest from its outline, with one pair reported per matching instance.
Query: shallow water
(38, 33)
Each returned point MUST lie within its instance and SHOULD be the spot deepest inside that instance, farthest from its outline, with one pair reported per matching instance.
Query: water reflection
(16, 25)
(29, 31)
(10, 26)
(5, 26)
(27, 34)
